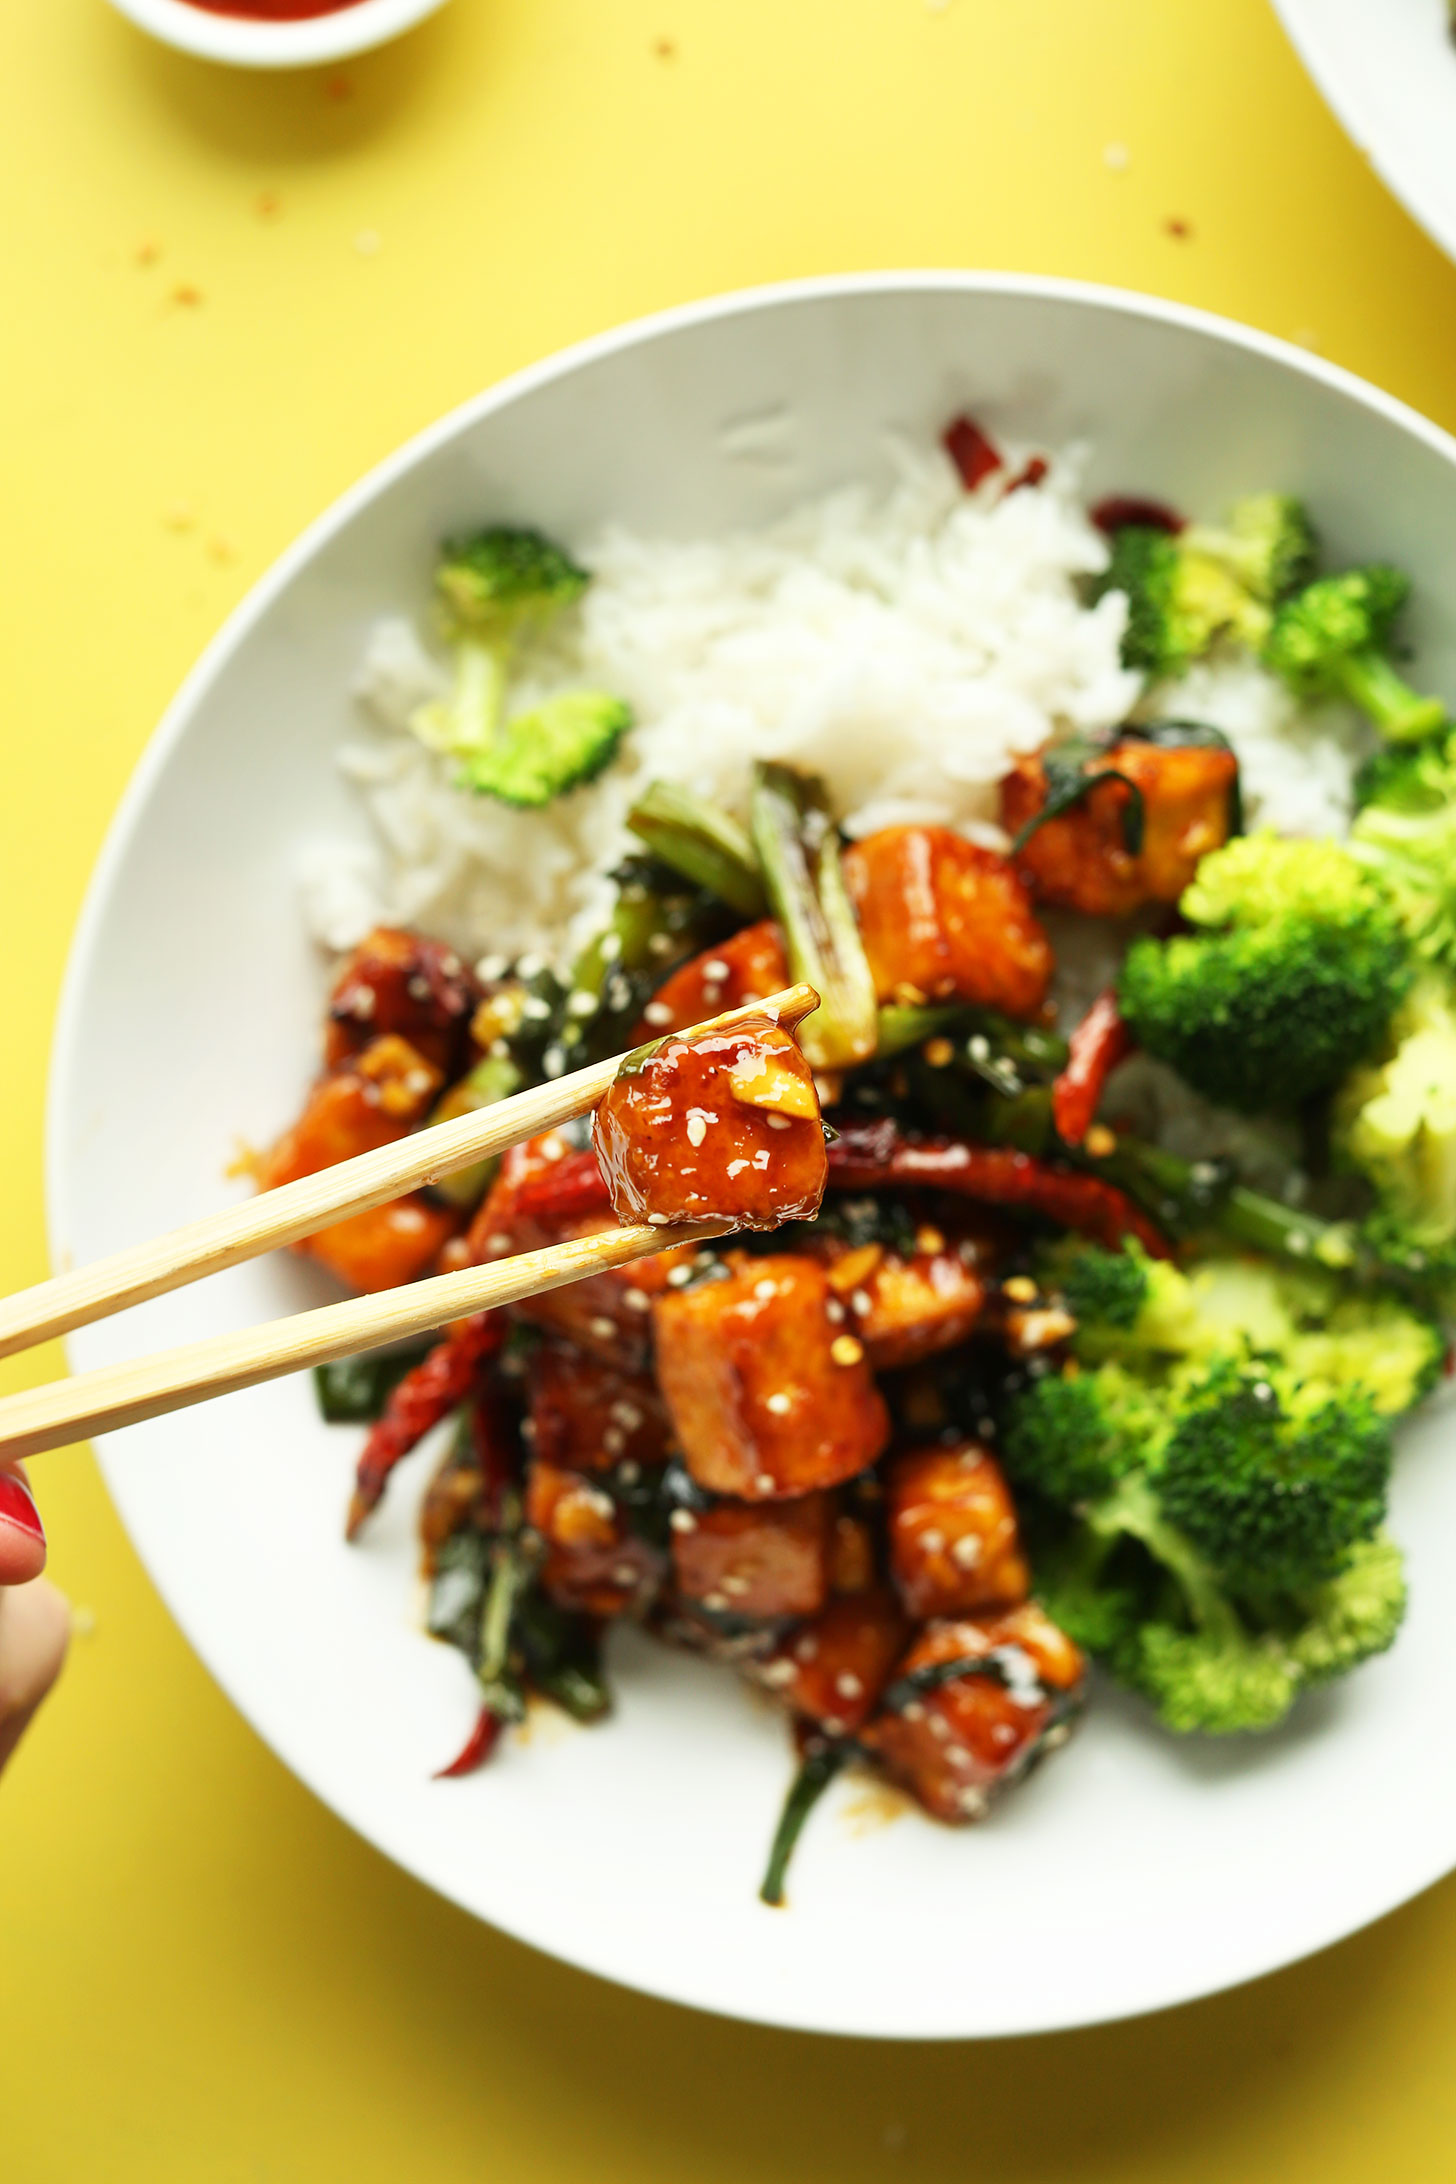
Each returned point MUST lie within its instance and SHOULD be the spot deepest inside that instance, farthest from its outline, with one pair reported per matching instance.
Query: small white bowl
(245, 42)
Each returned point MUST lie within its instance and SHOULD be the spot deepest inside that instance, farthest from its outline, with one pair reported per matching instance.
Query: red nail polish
(17, 1506)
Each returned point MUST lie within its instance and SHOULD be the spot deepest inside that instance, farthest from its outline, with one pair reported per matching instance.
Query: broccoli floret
(1406, 833)
(1268, 543)
(1107, 1289)
(1354, 1616)
(493, 589)
(1333, 640)
(541, 754)
(1292, 980)
(1272, 1489)
(1202, 1505)
(1179, 600)
(1072, 1438)
(1395, 1124)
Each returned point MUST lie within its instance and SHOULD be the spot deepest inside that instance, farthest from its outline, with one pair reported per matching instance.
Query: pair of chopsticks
(123, 1395)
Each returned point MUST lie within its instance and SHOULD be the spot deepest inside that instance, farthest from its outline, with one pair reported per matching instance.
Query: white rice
(902, 643)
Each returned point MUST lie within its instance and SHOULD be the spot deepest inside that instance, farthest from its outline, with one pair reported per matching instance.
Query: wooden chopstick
(123, 1395)
(281, 1216)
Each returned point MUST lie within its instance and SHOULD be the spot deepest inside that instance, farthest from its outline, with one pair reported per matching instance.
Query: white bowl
(248, 43)
(1133, 1871)
(1388, 68)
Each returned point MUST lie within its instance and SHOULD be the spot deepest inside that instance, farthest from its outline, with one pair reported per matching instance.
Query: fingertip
(35, 1632)
(22, 1535)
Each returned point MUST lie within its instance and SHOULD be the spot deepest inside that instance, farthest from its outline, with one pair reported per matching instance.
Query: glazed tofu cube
(593, 1562)
(586, 1415)
(1081, 861)
(954, 1545)
(725, 1125)
(906, 1308)
(766, 1562)
(944, 920)
(832, 1670)
(388, 1244)
(769, 1393)
(956, 1744)
(746, 968)
(397, 981)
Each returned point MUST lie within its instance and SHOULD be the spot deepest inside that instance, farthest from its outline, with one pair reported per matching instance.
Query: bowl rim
(258, 601)
(246, 42)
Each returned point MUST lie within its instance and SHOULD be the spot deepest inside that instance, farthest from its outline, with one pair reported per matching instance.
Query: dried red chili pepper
(438, 1385)
(868, 1156)
(973, 452)
(1119, 509)
(1031, 473)
(1098, 1044)
(477, 1749)
(569, 1190)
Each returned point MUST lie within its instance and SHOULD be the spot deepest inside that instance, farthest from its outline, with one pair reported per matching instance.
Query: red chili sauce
(274, 11)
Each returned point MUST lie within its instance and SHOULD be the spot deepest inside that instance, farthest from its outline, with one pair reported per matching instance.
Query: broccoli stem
(821, 1762)
(1192, 1197)
(1132, 1512)
(702, 843)
(1401, 714)
(798, 849)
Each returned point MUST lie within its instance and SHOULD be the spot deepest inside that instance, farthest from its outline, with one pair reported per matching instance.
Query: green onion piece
(703, 843)
(898, 1029)
(354, 1390)
(495, 1078)
(798, 848)
(820, 1764)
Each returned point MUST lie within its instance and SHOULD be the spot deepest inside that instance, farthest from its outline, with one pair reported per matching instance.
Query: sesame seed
(760, 1160)
(679, 1276)
(683, 1520)
(661, 944)
(780, 1404)
(849, 1686)
(530, 966)
(553, 1061)
(716, 1601)
(932, 1539)
(499, 1243)
(778, 1673)
(626, 1415)
(602, 1328)
(1021, 1289)
(861, 1302)
(629, 1472)
(765, 1482)
(834, 1312)
(913, 1710)
(972, 1803)
(534, 1009)
(581, 1004)
(807, 1648)
(417, 988)
(765, 1289)
(614, 1440)
(846, 1349)
(657, 1012)
(717, 969)
(833, 1726)
(624, 1574)
(736, 1167)
(636, 1300)
(610, 947)
(657, 1220)
(965, 1552)
(939, 1728)
(528, 1429)
(697, 1130)
(979, 1048)
(490, 968)
(737, 1586)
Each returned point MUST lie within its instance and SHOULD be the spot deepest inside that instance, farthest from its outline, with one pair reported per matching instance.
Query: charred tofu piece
(768, 1562)
(1081, 861)
(955, 1743)
(832, 1670)
(347, 1114)
(546, 1194)
(945, 921)
(721, 1126)
(954, 1544)
(398, 981)
(593, 1562)
(589, 1416)
(907, 1308)
(749, 967)
(769, 1392)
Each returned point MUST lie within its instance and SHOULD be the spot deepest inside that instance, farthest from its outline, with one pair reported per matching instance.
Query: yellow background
(223, 297)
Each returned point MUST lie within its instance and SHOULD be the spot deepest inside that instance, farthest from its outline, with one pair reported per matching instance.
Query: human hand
(35, 1623)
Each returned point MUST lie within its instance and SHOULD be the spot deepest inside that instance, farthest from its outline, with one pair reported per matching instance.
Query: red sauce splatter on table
(274, 11)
